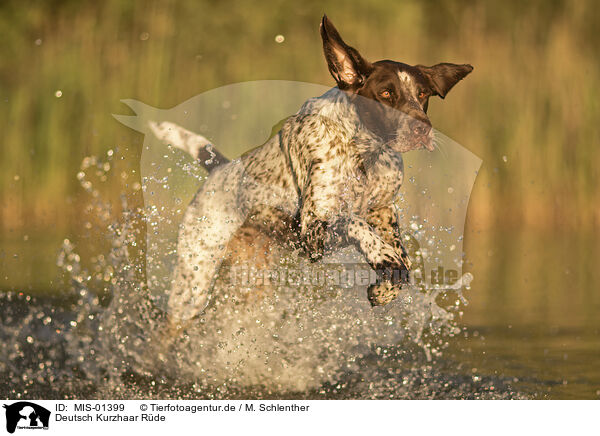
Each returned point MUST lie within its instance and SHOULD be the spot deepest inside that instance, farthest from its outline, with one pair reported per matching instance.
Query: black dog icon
(30, 412)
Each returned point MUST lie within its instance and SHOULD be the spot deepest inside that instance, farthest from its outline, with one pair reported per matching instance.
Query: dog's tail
(196, 145)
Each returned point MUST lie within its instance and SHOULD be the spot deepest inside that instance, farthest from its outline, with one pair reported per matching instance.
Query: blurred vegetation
(530, 109)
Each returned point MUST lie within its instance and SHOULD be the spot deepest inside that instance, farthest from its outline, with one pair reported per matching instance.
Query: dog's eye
(386, 93)
(422, 95)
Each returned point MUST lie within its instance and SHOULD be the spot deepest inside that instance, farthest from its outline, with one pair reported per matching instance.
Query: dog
(329, 176)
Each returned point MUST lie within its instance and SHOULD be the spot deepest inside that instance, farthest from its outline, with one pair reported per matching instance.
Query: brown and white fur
(329, 176)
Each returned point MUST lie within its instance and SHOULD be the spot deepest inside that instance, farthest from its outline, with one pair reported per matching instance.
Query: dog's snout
(419, 127)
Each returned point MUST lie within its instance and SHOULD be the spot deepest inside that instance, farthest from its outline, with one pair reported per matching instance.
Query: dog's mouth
(413, 142)
(425, 141)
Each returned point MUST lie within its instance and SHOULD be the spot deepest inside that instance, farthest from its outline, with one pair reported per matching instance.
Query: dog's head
(391, 97)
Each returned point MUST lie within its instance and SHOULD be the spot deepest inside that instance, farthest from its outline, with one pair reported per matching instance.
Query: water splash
(107, 338)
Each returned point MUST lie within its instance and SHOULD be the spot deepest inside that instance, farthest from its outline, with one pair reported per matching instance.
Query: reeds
(530, 109)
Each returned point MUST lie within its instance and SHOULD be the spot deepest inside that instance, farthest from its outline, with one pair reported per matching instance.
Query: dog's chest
(378, 182)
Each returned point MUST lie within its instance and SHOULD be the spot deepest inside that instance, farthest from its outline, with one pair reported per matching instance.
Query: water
(536, 312)
(530, 329)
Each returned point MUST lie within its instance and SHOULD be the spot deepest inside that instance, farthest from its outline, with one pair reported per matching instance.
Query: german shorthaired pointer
(331, 174)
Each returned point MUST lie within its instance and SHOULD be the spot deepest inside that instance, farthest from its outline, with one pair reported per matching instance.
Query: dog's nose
(419, 127)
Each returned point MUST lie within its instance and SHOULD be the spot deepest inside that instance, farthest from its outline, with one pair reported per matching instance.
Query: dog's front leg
(343, 230)
(385, 221)
(322, 205)
(384, 253)
(326, 222)
(380, 254)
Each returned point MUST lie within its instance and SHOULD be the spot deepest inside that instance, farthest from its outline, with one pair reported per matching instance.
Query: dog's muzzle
(422, 133)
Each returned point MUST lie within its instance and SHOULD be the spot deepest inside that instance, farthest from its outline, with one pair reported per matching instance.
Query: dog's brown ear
(346, 65)
(443, 77)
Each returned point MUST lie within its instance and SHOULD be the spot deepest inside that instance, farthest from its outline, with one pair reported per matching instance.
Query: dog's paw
(386, 258)
(391, 267)
(314, 240)
(382, 293)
